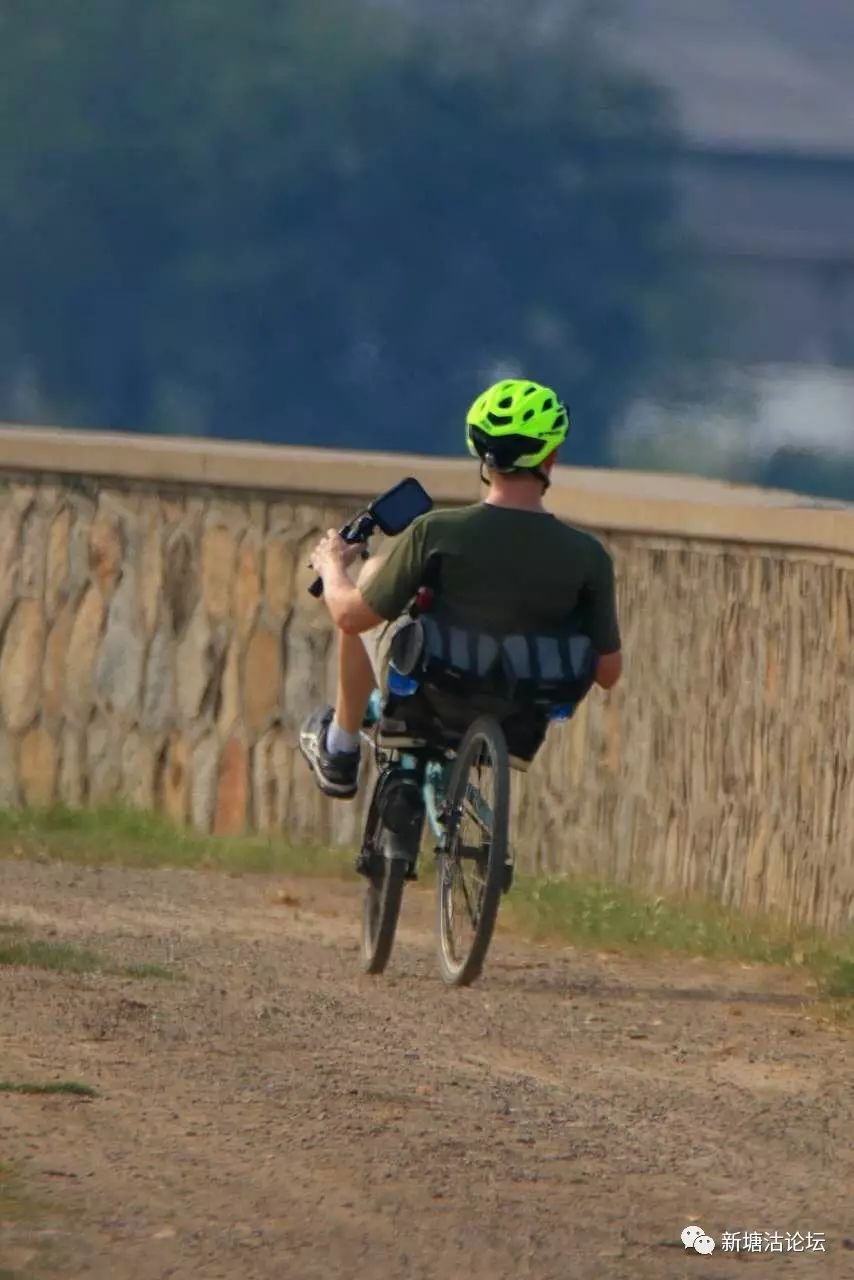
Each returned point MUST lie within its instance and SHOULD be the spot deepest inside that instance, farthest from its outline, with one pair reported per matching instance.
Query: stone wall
(158, 644)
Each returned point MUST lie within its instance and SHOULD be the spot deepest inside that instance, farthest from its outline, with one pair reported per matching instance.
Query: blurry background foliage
(324, 222)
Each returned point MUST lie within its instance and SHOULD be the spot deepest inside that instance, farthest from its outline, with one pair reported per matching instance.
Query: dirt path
(274, 1114)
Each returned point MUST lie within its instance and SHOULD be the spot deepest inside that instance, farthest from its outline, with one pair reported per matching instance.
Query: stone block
(103, 760)
(247, 586)
(196, 657)
(173, 779)
(272, 779)
(159, 709)
(106, 551)
(229, 706)
(20, 665)
(138, 770)
(56, 569)
(218, 556)
(53, 698)
(72, 767)
(9, 789)
(304, 684)
(232, 797)
(82, 651)
(280, 572)
(203, 785)
(313, 611)
(82, 513)
(10, 525)
(118, 668)
(151, 574)
(37, 766)
(180, 580)
(262, 680)
(33, 542)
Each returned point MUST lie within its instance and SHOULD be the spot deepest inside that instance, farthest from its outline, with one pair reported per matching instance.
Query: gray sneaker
(337, 775)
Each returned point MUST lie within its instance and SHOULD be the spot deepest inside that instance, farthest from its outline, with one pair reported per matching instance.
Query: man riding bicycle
(507, 566)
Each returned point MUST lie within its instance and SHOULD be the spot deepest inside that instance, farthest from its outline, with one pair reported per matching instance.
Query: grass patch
(145, 971)
(124, 837)
(586, 913)
(592, 914)
(64, 957)
(72, 1087)
(58, 956)
(839, 980)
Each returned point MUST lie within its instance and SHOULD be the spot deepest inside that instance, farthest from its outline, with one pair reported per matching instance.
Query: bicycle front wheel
(380, 912)
(471, 865)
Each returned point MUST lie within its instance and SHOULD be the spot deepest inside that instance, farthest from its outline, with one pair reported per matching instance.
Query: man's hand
(332, 551)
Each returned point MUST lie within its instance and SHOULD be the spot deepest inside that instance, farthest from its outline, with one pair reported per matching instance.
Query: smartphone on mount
(391, 513)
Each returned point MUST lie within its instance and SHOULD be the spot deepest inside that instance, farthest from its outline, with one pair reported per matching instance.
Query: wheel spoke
(473, 851)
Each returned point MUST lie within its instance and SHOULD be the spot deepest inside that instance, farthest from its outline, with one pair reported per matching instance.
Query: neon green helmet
(515, 425)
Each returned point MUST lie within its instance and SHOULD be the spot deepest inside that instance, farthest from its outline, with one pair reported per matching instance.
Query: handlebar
(359, 530)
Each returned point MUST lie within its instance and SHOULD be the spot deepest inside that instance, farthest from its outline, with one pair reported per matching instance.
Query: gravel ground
(274, 1114)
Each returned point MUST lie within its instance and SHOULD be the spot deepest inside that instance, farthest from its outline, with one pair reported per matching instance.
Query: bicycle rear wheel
(471, 865)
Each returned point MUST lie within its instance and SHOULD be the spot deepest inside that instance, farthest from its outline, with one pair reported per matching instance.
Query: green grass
(585, 913)
(591, 914)
(58, 956)
(125, 837)
(64, 957)
(71, 1087)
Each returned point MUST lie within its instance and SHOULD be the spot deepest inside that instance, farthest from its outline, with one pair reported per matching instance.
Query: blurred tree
(803, 470)
(314, 221)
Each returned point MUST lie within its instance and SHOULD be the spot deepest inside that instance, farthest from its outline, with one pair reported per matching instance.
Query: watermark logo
(694, 1237)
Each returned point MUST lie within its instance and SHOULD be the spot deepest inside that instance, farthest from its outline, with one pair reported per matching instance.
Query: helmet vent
(499, 420)
(505, 403)
(528, 416)
(548, 405)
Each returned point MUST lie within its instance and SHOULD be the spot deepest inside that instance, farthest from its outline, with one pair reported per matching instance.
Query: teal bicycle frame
(435, 774)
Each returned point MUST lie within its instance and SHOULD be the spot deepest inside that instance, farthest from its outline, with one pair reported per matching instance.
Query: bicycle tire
(380, 912)
(383, 896)
(461, 971)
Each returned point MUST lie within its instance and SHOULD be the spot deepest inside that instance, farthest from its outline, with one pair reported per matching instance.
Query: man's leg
(356, 683)
(356, 678)
(329, 740)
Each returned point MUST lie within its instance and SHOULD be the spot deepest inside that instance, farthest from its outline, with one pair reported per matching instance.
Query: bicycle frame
(430, 772)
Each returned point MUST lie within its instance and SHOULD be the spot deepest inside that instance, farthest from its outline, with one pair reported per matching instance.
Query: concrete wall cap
(608, 500)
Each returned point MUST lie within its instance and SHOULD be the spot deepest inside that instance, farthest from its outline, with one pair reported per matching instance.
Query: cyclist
(508, 566)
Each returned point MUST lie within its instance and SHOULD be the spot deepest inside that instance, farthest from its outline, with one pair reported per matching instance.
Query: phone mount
(391, 514)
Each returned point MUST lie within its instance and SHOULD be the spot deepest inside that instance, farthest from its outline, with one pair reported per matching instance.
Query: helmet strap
(486, 474)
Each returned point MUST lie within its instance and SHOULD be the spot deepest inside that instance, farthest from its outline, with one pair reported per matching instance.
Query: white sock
(339, 742)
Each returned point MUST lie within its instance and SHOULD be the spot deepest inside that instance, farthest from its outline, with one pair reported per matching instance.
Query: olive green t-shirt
(503, 570)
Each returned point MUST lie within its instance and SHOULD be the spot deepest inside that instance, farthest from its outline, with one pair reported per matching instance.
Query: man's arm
(350, 611)
(604, 629)
(609, 668)
(384, 595)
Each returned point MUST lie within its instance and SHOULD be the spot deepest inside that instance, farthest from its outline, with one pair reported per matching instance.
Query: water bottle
(401, 686)
(375, 708)
(562, 711)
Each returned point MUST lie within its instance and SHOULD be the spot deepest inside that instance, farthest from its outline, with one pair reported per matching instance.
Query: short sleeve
(399, 576)
(601, 606)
